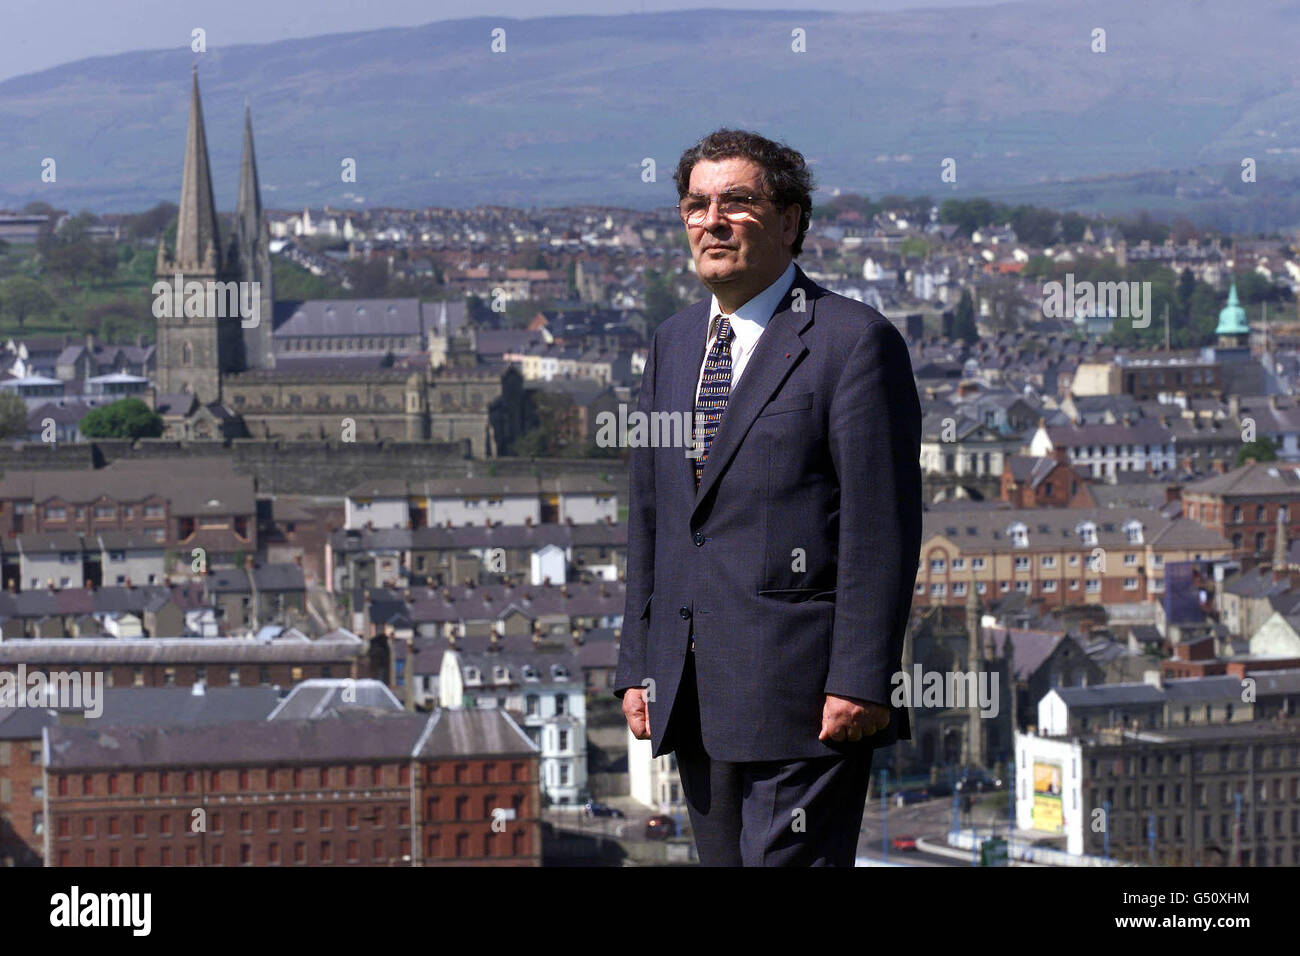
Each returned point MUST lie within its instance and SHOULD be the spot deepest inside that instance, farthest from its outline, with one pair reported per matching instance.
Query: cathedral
(195, 353)
(311, 370)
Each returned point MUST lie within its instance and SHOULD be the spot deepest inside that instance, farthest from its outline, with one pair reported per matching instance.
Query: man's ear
(789, 225)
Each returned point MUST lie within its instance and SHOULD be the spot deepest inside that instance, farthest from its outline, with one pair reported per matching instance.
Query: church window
(267, 400)
(322, 400)
(353, 401)
(295, 401)
(187, 354)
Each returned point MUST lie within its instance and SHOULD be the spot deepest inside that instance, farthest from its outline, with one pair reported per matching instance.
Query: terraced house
(1056, 556)
(101, 523)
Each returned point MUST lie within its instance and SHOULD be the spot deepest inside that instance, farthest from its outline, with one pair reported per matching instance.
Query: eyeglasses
(734, 207)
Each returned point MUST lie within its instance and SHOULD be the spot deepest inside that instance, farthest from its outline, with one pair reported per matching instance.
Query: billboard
(1048, 809)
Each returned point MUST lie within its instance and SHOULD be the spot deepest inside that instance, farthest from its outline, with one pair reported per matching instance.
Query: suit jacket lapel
(779, 350)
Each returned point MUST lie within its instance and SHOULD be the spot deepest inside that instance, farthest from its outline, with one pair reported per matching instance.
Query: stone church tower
(250, 255)
(194, 352)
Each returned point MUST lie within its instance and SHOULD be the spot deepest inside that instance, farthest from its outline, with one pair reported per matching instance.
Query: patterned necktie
(715, 390)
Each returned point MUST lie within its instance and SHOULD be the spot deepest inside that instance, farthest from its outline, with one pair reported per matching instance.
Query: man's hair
(786, 177)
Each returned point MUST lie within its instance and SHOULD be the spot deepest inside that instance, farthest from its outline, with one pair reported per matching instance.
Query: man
(771, 557)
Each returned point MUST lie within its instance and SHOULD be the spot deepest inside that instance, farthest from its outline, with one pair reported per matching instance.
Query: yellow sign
(1048, 813)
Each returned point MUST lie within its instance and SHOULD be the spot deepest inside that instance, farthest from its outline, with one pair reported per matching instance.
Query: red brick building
(177, 503)
(184, 661)
(22, 729)
(454, 788)
(1243, 505)
(1049, 482)
(22, 804)
(1056, 557)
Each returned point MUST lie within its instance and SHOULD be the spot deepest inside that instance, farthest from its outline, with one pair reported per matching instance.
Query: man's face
(748, 251)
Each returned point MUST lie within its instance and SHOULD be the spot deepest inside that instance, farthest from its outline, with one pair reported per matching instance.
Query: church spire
(196, 222)
(248, 211)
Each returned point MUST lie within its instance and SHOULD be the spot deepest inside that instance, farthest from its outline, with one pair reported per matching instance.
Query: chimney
(1173, 493)
(1152, 677)
(90, 342)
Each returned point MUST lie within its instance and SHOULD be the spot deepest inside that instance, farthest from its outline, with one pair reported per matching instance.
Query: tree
(153, 222)
(128, 418)
(660, 300)
(22, 298)
(963, 320)
(1261, 449)
(13, 416)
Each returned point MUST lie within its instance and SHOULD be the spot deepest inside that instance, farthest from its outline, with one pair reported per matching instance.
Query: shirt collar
(754, 315)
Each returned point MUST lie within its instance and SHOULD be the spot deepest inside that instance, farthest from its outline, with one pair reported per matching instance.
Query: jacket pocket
(794, 403)
(799, 594)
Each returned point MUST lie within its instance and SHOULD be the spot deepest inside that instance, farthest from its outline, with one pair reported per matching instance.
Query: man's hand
(636, 712)
(846, 718)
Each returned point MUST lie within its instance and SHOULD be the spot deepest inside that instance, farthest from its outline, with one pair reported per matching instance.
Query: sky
(39, 34)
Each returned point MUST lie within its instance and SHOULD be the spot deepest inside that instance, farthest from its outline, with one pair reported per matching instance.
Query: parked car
(915, 795)
(977, 781)
(904, 843)
(940, 789)
(660, 827)
(595, 809)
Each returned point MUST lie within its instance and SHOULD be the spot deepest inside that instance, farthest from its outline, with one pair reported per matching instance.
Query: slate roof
(172, 650)
(352, 736)
(358, 317)
(151, 706)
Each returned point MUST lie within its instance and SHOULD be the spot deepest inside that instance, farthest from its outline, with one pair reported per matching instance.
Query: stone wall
(308, 468)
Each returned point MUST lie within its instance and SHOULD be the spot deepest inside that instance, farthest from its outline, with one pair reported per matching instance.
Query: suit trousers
(804, 812)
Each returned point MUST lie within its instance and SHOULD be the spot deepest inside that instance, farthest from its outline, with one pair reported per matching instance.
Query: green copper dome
(1232, 317)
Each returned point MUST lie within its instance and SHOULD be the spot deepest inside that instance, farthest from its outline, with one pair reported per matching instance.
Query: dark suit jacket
(795, 560)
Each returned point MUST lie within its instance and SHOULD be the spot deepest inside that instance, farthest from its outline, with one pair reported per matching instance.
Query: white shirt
(748, 323)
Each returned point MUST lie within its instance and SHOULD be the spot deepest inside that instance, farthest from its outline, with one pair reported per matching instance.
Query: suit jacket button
(684, 611)
(699, 537)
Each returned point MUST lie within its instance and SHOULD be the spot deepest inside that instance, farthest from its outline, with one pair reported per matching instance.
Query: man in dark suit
(771, 555)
